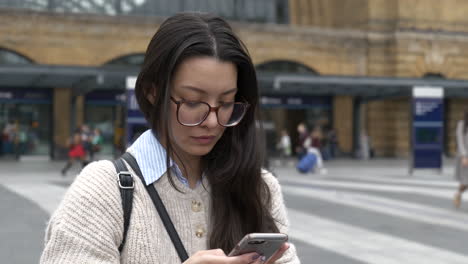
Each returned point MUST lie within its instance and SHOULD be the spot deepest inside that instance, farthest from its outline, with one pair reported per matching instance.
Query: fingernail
(256, 256)
(262, 259)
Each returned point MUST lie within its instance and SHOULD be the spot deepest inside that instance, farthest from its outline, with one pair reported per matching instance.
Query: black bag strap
(166, 219)
(126, 186)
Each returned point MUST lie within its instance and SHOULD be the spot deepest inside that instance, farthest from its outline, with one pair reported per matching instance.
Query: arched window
(285, 66)
(433, 75)
(127, 60)
(11, 57)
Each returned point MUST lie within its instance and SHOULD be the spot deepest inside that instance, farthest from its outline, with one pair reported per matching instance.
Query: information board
(427, 134)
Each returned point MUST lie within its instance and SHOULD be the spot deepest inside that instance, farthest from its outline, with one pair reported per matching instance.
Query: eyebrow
(198, 90)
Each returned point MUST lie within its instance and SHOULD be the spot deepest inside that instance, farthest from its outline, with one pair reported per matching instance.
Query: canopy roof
(83, 79)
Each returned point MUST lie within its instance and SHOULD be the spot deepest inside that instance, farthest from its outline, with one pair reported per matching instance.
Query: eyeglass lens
(194, 113)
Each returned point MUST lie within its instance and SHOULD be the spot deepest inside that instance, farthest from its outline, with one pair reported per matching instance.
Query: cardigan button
(196, 206)
(200, 232)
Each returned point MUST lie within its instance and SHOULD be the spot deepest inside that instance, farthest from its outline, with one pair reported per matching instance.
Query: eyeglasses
(193, 113)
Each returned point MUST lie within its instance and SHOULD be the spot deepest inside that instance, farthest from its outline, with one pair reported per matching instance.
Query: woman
(303, 135)
(461, 173)
(313, 145)
(76, 152)
(198, 91)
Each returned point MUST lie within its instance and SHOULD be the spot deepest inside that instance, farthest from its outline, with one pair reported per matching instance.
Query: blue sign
(136, 122)
(427, 134)
(106, 97)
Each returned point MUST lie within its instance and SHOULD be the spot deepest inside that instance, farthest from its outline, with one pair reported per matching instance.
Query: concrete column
(61, 124)
(79, 110)
(343, 122)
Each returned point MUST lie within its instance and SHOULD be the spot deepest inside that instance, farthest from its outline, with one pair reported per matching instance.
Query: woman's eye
(227, 105)
(192, 104)
(226, 102)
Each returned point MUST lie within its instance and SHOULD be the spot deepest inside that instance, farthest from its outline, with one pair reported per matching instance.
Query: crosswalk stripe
(435, 192)
(386, 180)
(46, 196)
(408, 210)
(365, 245)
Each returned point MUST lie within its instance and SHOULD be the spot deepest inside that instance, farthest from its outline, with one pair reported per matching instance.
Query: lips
(204, 139)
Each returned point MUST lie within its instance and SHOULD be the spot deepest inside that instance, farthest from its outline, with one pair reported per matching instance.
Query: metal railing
(257, 11)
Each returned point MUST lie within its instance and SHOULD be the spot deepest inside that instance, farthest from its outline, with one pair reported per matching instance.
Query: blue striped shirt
(151, 157)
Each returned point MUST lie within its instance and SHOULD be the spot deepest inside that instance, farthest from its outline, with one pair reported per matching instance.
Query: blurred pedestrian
(461, 171)
(313, 145)
(364, 146)
(21, 140)
(198, 91)
(76, 152)
(284, 145)
(96, 143)
(86, 137)
(9, 136)
(303, 135)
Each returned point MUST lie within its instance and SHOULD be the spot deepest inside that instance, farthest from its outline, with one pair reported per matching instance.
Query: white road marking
(46, 196)
(364, 245)
(404, 209)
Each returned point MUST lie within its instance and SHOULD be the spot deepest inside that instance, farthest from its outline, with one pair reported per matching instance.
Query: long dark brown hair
(240, 197)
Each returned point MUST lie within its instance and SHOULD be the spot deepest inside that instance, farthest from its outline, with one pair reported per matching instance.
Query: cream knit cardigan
(87, 227)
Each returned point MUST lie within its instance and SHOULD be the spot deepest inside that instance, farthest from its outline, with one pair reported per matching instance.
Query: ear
(151, 95)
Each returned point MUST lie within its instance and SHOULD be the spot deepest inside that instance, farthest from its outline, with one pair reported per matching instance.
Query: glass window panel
(247, 10)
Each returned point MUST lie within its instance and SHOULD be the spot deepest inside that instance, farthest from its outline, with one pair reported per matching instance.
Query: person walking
(198, 91)
(86, 137)
(284, 146)
(76, 152)
(96, 143)
(303, 135)
(313, 145)
(461, 171)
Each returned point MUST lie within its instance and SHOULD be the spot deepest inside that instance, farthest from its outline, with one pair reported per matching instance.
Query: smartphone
(265, 244)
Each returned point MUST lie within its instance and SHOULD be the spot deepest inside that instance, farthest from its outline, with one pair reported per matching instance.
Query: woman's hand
(278, 254)
(217, 256)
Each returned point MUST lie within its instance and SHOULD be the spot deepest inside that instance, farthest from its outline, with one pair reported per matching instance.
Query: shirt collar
(151, 157)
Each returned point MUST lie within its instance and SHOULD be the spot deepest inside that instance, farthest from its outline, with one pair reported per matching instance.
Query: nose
(211, 120)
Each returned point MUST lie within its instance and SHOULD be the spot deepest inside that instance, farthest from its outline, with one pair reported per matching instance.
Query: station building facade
(380, 38)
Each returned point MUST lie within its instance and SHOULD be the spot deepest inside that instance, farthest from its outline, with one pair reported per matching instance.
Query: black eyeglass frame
(211, 109)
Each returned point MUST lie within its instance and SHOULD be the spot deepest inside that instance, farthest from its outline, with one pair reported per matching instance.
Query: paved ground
(359, 212)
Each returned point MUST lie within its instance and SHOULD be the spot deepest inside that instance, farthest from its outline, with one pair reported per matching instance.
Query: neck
(192, 170)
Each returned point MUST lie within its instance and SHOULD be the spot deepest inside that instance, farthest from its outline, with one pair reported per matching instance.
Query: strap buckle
(125, 173)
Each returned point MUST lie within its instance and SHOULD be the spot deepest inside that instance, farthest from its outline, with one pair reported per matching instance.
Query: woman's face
(203, 79)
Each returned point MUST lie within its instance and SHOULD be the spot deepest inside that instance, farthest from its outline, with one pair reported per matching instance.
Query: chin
(199, 150)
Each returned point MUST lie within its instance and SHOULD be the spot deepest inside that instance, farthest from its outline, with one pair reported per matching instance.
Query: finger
(248, 258)
(260, 260)
(212, 252)
(279, 253)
